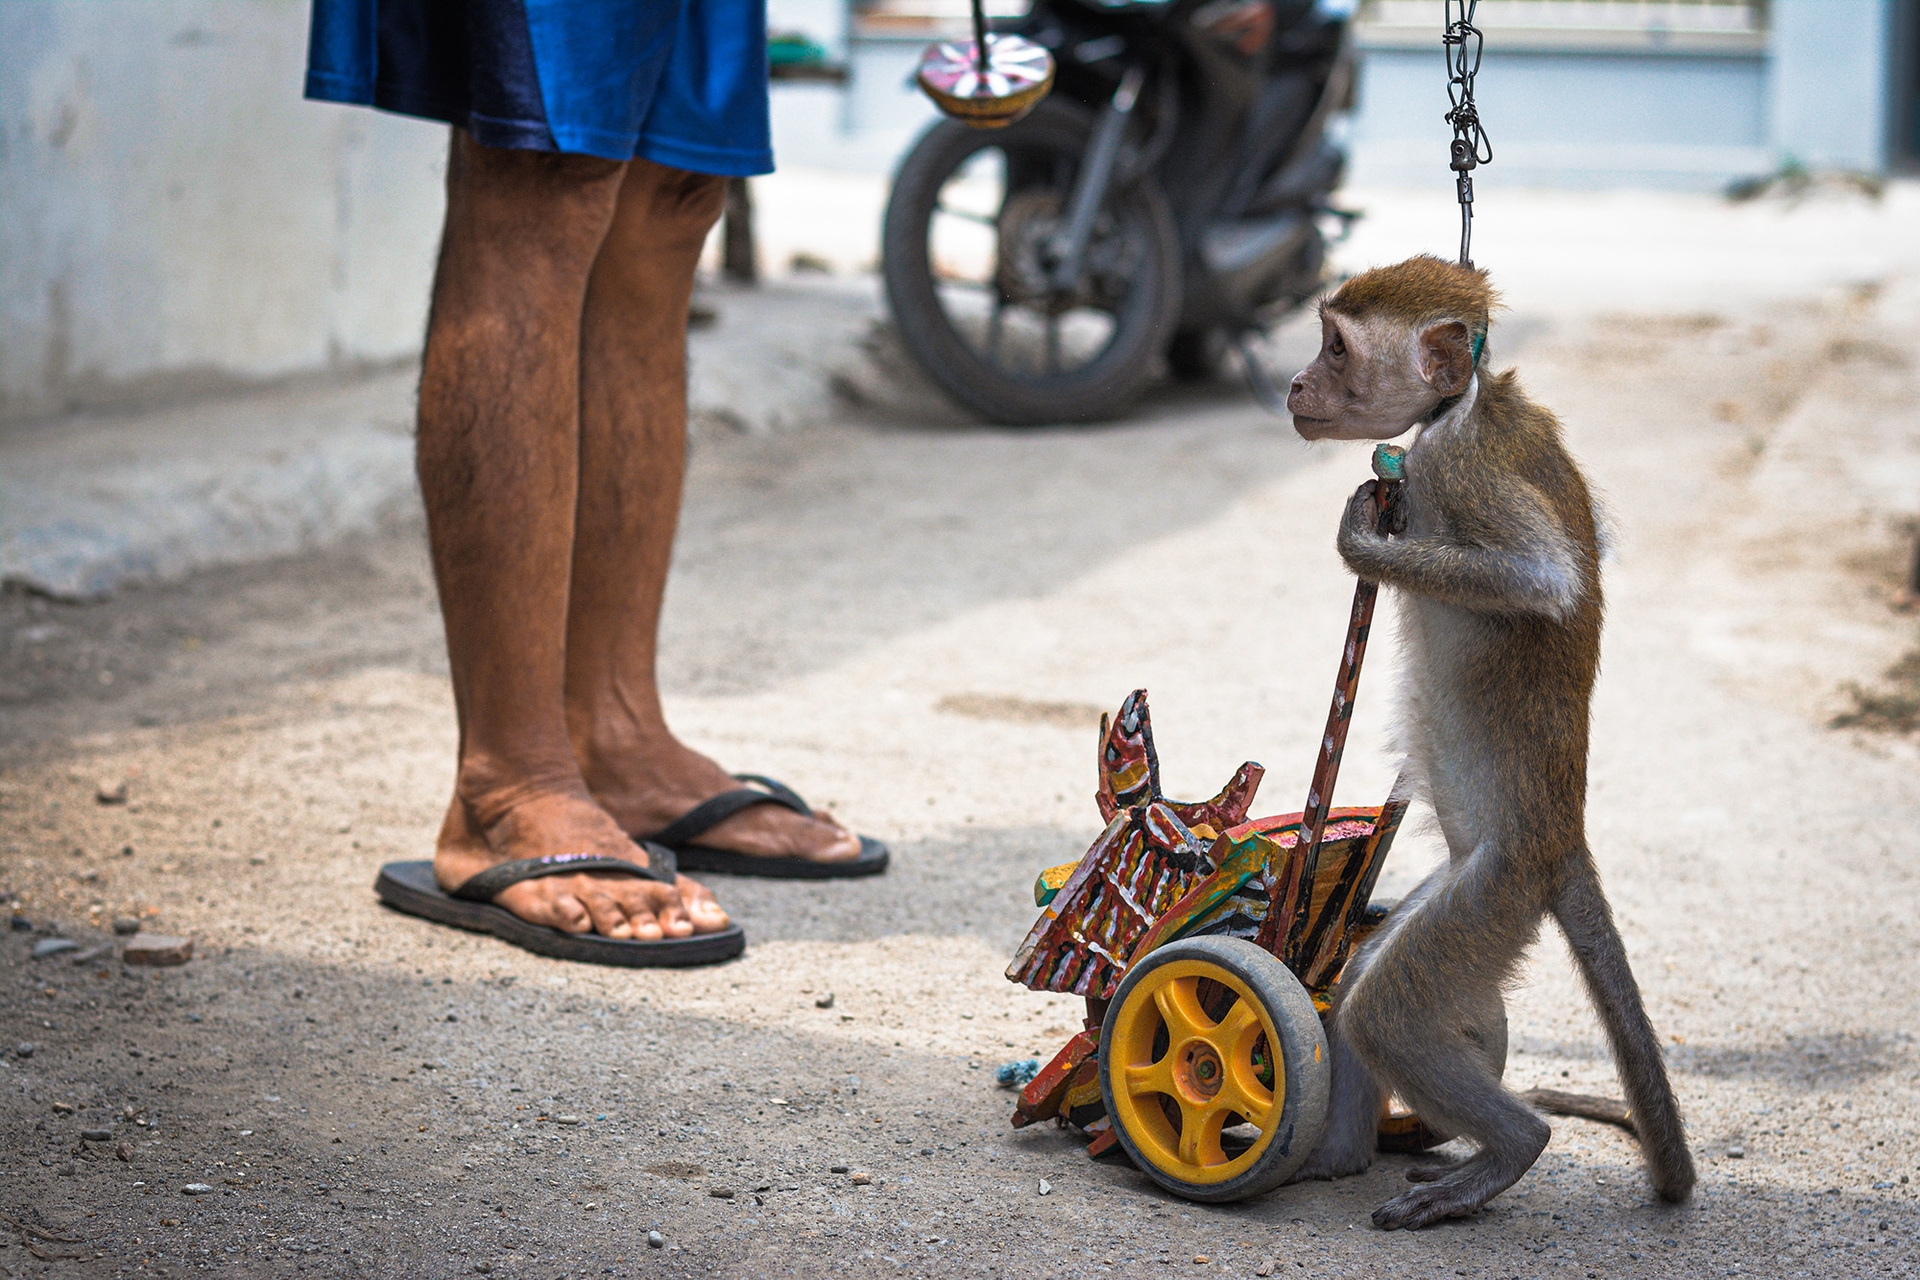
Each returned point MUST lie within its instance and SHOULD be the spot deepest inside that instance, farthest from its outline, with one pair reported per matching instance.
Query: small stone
(53, 947)
(90, 954)
(110, 791)
(861, 1179)
(566, 1120)
(24, 1049)
(68, 1169)
(1201, 1259)
(96, 1135)
(197, 1189)
(840, 1168)
(655, 1240)
(483, 1267)
(126, 926)
(1266, 1268)
(720, 1193)
(22, 925)
(1046, 1188)
(824, 1002)
(1736, 1153)
(63, 1108)
(157, 949)
(124, 1152)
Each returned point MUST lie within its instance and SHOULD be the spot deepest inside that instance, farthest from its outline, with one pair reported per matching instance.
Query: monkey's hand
(1359, 528)
(1523, 562)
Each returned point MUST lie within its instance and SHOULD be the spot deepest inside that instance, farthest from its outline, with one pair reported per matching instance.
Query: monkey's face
(1374, 378)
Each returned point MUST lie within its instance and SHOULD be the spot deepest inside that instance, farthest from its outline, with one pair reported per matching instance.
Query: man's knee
(543, 194)
(676, 198)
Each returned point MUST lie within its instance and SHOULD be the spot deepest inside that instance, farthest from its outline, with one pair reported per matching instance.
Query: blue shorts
(678, 82)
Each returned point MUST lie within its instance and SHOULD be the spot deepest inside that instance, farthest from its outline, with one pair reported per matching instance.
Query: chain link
(1470, 147)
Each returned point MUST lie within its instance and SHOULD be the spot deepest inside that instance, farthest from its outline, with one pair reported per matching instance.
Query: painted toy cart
(1207, 946)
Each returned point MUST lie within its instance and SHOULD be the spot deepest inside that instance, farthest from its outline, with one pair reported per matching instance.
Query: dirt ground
(918, 627)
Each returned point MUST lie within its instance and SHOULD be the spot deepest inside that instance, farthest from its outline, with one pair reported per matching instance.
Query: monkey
(1494, 559)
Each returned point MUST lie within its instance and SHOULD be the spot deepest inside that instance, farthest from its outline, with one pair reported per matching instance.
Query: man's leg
(499, 471)
(633, 442)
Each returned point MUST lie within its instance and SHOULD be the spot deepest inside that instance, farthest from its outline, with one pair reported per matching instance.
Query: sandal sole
(410, 887)
(871, 861)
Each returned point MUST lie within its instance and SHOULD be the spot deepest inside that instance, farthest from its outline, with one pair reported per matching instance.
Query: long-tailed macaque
(1495, 561)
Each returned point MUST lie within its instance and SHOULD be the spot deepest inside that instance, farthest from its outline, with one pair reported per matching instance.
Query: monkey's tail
(1584, 916)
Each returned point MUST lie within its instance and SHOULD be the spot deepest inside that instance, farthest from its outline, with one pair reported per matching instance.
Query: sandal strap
(486, 885)
(780, 790)
(709, 814)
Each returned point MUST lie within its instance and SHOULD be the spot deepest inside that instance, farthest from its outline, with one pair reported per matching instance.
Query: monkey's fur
(1496, 566)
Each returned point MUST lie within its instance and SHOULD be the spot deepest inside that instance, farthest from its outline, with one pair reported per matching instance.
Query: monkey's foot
(1451, 1191)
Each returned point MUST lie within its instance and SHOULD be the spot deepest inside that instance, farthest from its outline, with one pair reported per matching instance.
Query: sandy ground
(367, 1094)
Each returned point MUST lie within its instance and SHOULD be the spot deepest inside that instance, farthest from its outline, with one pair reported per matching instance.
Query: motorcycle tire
(1109, 383)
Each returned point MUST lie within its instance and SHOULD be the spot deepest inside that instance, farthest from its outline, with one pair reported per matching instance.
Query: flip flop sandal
(703, 817)
(411, 887)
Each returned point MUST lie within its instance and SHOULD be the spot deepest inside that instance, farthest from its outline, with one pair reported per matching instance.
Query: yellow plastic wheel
(1213, 1065)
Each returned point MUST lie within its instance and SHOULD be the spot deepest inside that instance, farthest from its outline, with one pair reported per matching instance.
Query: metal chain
(1470, 147)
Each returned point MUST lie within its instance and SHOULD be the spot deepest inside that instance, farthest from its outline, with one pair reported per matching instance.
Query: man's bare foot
(616, 906)
(646, 786)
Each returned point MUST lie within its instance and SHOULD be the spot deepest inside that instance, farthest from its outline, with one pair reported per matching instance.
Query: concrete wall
(173, 216)
(1672, 112)
(1832, 80)
(1568, 119)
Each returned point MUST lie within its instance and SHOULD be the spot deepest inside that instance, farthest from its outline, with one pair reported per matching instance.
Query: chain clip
(1470, 148)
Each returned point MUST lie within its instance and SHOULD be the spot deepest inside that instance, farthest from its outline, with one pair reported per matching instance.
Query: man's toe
(571, 915)
(609, 920)
(697, 903)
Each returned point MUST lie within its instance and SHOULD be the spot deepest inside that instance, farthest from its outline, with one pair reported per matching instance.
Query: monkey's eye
(1337, 346)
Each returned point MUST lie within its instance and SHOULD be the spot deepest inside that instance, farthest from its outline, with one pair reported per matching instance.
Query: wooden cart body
(1164, 870)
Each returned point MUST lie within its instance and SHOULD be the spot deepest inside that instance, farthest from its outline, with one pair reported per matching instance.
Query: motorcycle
(1167, 199)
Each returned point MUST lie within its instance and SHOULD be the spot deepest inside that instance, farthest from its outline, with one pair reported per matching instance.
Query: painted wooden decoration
(1153, 851)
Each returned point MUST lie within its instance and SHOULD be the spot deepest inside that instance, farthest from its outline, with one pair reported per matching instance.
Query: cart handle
(1290, 898)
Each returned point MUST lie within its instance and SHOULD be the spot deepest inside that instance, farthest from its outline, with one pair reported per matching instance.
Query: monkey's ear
(1446, 357)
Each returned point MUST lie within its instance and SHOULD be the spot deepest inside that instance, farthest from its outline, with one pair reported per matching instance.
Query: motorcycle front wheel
(968, 256)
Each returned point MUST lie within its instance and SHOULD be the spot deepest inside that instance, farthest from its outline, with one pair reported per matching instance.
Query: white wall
(174, 216)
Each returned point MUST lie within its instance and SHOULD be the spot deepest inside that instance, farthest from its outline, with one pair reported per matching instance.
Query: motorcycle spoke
(996, 325)
(984, 219)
